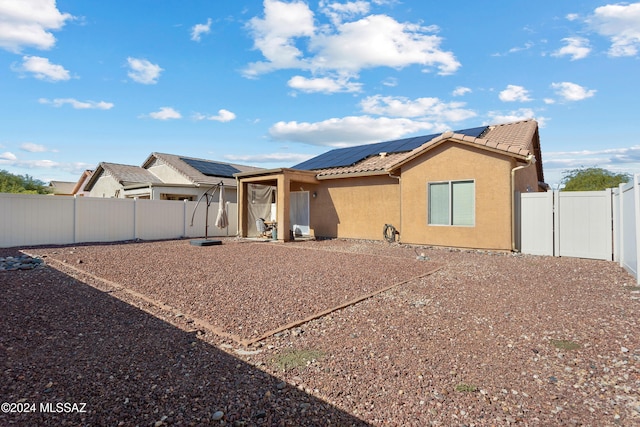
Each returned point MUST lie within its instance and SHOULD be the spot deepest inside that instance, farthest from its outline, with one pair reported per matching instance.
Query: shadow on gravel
(63, 342)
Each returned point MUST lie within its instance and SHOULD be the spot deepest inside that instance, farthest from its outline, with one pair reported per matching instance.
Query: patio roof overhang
(282, 178)
(308, 177)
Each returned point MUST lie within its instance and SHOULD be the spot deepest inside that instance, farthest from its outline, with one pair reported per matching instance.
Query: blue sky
(272, 83)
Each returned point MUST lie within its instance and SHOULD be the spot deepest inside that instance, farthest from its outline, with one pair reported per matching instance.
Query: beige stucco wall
(355, 208)
(526, 180)
(359, 207)
(105, 186)
(167, 174)
(492, 176)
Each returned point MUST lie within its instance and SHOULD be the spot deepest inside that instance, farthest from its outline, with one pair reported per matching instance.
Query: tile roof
(515, 139)
(83, 180)
(192, 174)
(128, 174)
(62, 187)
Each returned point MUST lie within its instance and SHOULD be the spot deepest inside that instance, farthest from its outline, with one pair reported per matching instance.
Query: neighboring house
(164, 177)
(78, 188)
(64, 188)
(453, 189)
(61, 188)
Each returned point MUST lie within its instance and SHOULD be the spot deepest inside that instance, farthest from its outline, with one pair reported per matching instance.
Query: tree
(592, 179)
(10, 183)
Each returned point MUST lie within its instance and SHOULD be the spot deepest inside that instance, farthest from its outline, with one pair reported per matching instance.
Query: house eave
(277, 171)
(94, 177)
(351, 175)
(136, 185)
(467, 141)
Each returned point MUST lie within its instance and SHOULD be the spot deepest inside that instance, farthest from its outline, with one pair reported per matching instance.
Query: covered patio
(281, 197)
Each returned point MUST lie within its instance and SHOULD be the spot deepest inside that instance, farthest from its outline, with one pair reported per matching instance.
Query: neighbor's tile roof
(176, 163)
(62, 187)
(83, 180)
(512, 138)
(126, 174)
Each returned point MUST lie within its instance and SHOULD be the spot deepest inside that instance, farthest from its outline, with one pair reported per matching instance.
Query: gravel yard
(153, 334)
(241, 289)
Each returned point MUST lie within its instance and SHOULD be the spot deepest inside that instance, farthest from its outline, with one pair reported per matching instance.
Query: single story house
(61, 188)
(455, 189)
(164, 177)
(66, 188)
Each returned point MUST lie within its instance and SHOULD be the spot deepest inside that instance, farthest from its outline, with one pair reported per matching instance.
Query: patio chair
(264, 230)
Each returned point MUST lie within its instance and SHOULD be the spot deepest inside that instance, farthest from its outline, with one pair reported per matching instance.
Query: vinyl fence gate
(569, 223)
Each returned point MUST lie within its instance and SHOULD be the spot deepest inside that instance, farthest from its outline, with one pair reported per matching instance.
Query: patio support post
(243, 213)
(283, 203)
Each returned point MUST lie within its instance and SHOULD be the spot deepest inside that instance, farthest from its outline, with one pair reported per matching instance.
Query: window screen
(439, 203)
(452, 203)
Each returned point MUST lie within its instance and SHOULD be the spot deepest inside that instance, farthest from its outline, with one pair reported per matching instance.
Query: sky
(272, 83)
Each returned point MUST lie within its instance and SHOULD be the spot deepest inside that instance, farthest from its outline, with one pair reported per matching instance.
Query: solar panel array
(222, 170)
(349, 156)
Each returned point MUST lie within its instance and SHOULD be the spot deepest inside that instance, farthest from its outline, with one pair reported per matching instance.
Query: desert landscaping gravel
(243, 289)
(152, 333)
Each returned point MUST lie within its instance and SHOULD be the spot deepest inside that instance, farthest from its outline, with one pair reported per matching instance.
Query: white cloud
(432, 109)
(572, 92)
(621, 24)
(617, 160)
(143, 71)
(516, 49)
(390, 82)
(222, 116)
(76, 168)
(324, 85)
(292, 158)
(42, 69)
(605, 155)
(461, 91)
(30, 164)
(199, 29)
(338, 12)
(165, 113)
(29, 23)
(78, 105)
(343, 47)
(514, 93)
(576, 48)
(274, 35)
(33, 148)
(527, 46)
(381, 41)
(499, 117)
(349, 131)
(400, 116)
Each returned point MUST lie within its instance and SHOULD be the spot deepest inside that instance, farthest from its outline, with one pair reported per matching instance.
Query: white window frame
(451, 206)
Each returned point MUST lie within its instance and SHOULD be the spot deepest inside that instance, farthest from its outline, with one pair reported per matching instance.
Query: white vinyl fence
(27, 220)
(627, 225)
(584, 224)
(575, 224)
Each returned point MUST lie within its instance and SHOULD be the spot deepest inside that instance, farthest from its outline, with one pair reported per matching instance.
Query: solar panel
(474, 132)
(222, 170)
(348, 156)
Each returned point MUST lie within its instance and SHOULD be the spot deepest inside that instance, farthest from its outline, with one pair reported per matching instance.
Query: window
(452, 203)
(165, 196)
